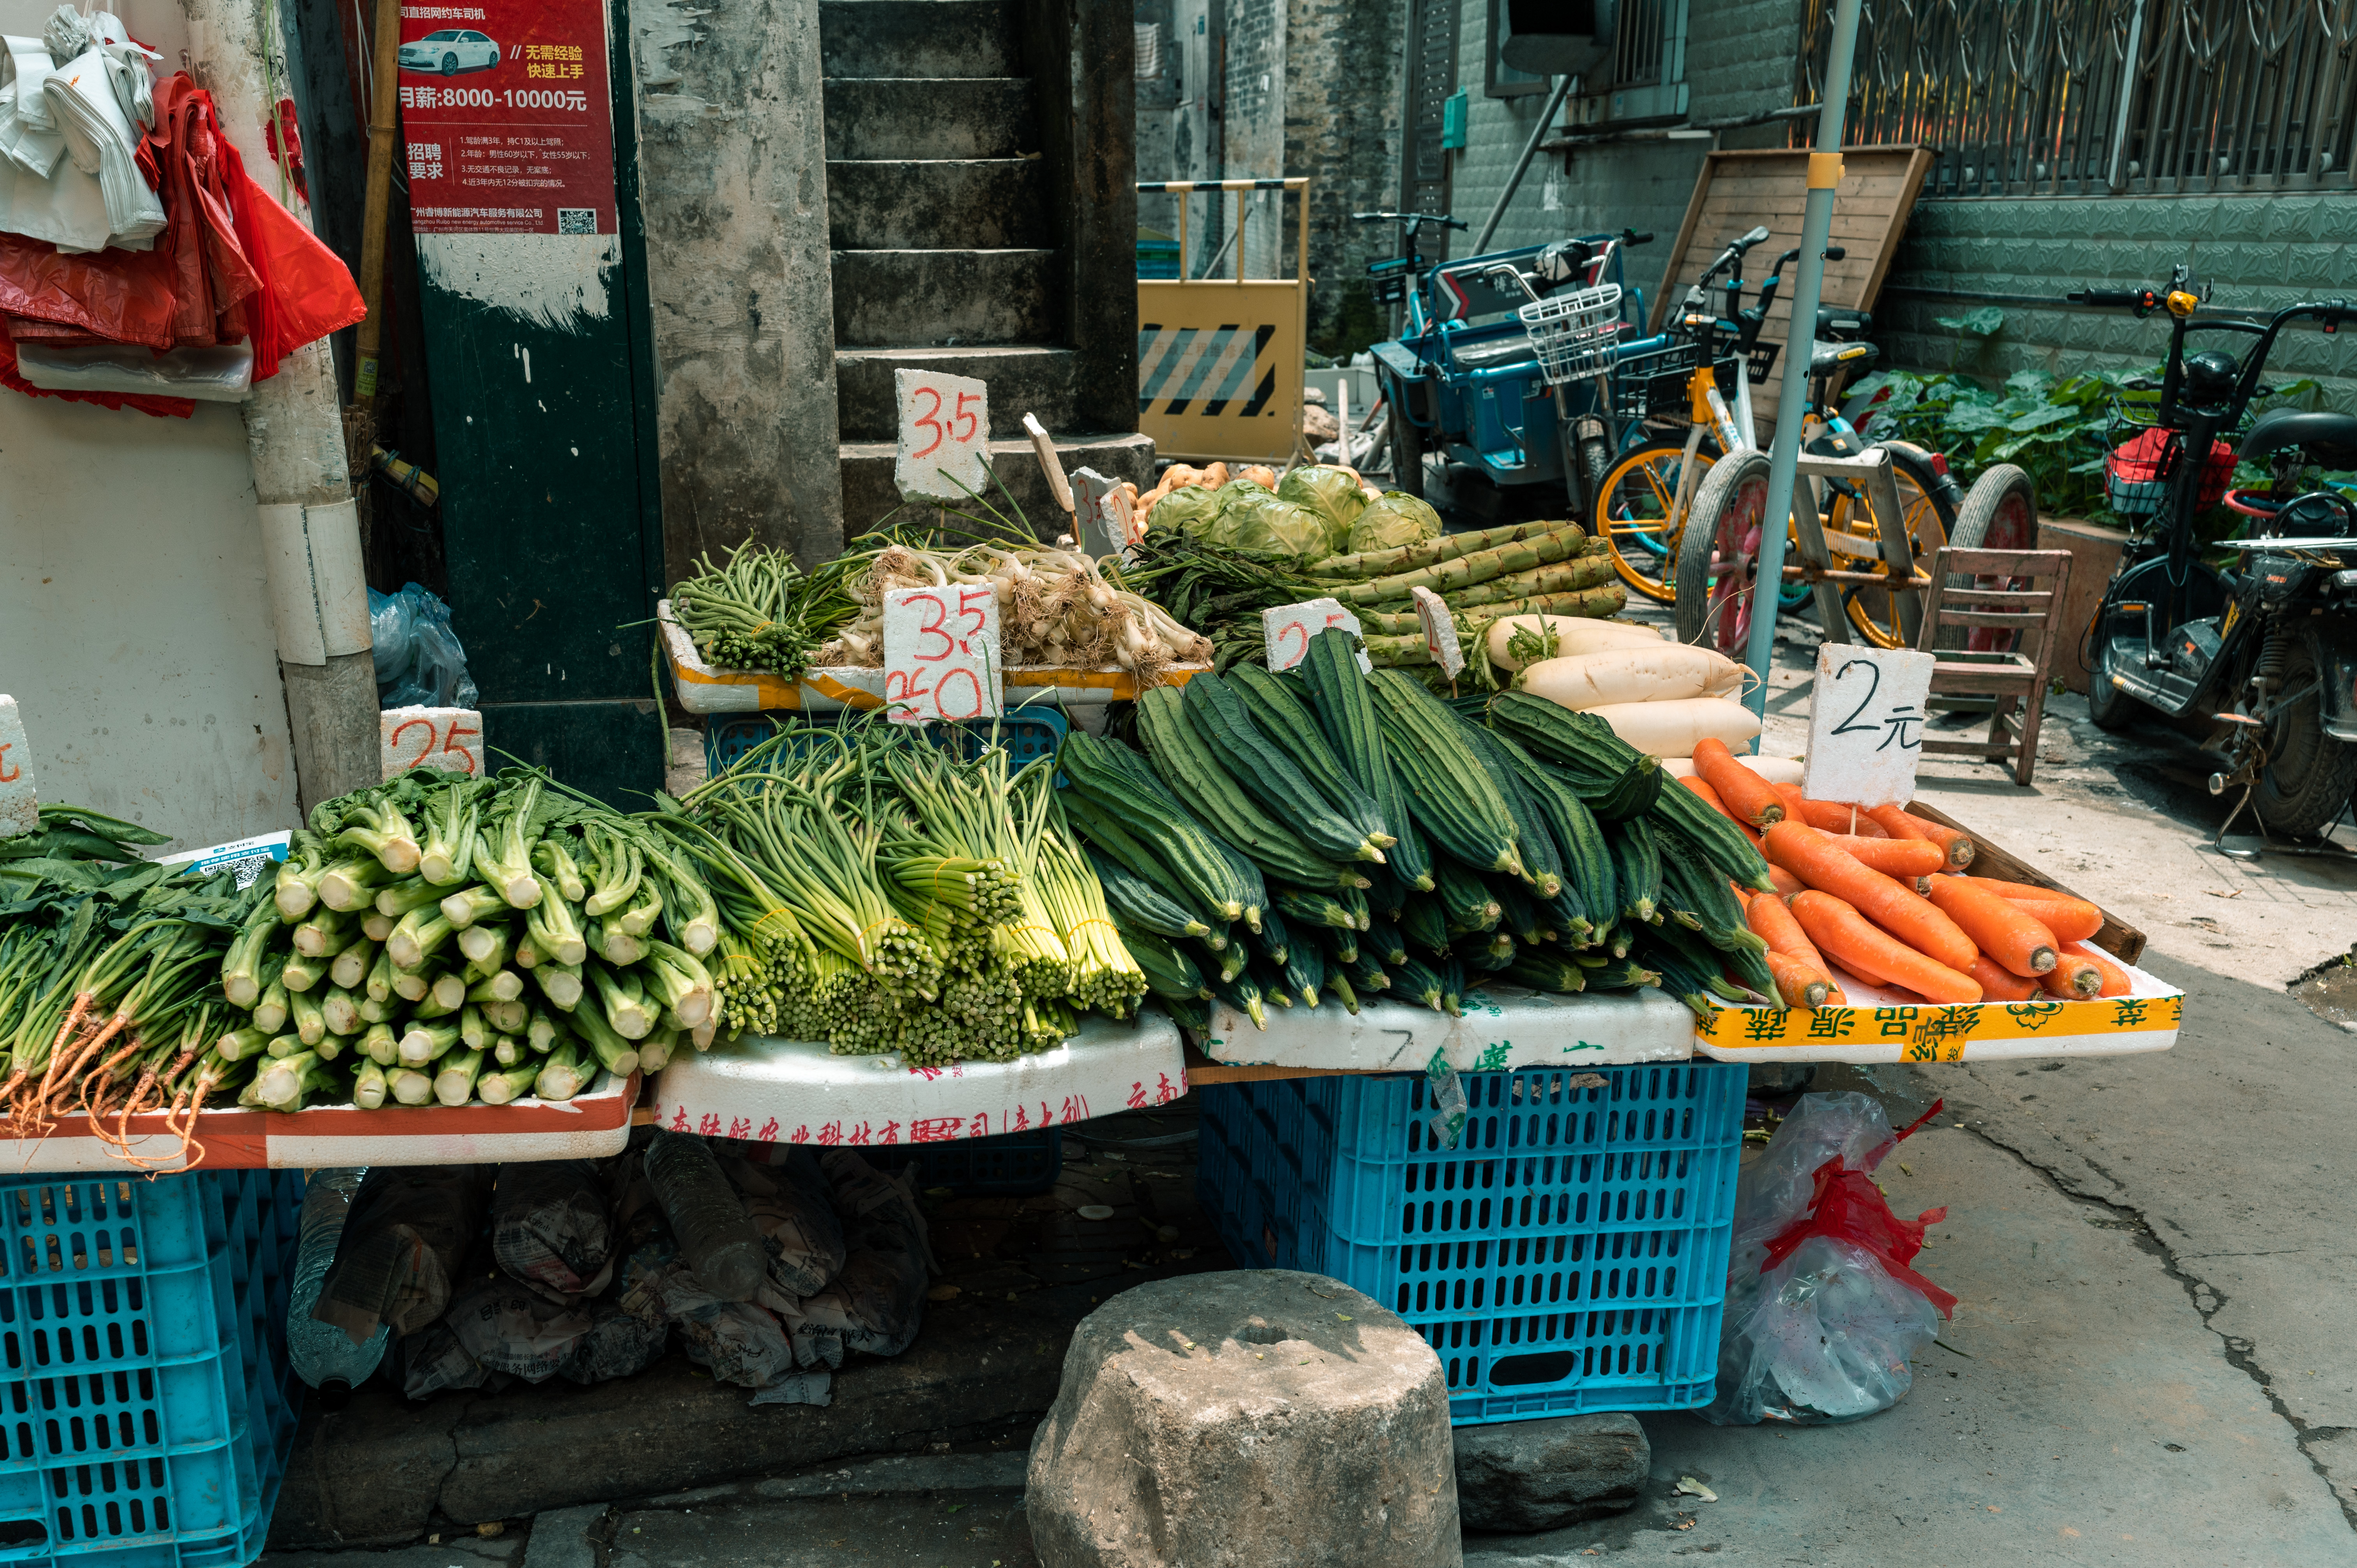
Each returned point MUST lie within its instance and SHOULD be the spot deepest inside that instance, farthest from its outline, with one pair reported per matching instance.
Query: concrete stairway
(948, 251)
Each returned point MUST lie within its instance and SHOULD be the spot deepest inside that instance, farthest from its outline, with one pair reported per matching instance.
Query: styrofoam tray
(1882, 1025)
(1503, 1027)
(594, 1122)
(704, 689)
(796, 1091)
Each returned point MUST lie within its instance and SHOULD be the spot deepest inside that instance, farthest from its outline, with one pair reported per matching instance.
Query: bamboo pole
(384, 130)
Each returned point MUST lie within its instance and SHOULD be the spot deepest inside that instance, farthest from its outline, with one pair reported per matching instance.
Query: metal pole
(1522, 164)
(2116, 176)
(1808, 290)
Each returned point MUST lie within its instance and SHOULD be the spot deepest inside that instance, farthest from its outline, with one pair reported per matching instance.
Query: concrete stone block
(992, 204)
(1528, 1476)
(928, 297)
(985, 117)
(564, 1538)
(1257, 1417)
(918, 38)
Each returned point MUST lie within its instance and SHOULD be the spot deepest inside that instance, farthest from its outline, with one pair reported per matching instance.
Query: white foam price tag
(1439, 631)
(1287, 630)
(941, 654)
(944, 452)
(1866, 725)
(20, 805)
(448, 739)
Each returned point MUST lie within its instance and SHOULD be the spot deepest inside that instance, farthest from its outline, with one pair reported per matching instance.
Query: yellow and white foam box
(705, 688)
(1881, 1026)
(1503, 1027)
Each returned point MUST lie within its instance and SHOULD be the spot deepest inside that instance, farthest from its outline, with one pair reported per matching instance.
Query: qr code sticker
(576, 220)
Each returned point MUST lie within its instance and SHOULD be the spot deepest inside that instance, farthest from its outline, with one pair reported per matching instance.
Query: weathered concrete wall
(1342, 101)
(732, 164)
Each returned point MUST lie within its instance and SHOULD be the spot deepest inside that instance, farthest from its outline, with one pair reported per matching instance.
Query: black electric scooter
(2268, 647)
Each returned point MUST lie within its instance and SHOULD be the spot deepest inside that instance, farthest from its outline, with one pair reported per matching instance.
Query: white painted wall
(135, 632)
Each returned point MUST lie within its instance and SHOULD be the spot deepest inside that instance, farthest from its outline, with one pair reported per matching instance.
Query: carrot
(2115, 979)
(2001, 984)
(1746, 797)
(1832, 816)
(1774, 924)
(1898, 823)
(2073, 978)
(2001, 929)
(2016, 890)
(2072, 919)
(1905, 859)
(1957, 845)
(1784, 882)
(1802, 985)
(1816, 859)
(1701, 787)
(1841, 931)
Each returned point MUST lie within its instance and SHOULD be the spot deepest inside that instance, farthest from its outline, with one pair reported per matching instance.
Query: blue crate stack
(1568, 1255)
(147, 1404)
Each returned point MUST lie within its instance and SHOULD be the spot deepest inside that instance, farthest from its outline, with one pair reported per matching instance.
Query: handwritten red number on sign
(973, 424)
(938, 614)
(424, 749)
(971, 602)
(926, 421)
(941, 695)
(450, 747)
(8, 775)
(1296, 630)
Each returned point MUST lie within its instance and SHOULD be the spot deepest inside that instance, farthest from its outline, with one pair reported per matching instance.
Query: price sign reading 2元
(945, 451)
(1866, 725)
(941, 654)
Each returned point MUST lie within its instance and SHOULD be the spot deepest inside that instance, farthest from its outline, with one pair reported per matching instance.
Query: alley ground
(2153, 1362)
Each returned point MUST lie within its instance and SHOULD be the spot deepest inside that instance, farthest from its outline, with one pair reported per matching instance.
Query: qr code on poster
(576, 220)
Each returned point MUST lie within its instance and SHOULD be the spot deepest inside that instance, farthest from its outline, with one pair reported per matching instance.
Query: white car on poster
(450, 52)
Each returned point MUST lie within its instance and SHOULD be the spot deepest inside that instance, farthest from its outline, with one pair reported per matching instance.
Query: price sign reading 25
(448, 739)
(945, 447)
(941, 654)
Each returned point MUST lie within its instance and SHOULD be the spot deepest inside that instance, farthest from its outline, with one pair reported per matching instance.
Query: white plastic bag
(1828, 1329)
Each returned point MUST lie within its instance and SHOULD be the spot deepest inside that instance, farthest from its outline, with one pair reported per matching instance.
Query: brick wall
(1342, 99)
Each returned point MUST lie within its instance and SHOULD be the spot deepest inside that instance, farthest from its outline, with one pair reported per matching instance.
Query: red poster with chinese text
(507, 118)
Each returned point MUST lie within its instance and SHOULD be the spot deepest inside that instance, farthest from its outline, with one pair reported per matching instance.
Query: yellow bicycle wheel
(1855, 539)
(1635, 507)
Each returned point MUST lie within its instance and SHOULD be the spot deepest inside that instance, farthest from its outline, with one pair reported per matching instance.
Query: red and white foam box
(594, 1122)
(770, 1091)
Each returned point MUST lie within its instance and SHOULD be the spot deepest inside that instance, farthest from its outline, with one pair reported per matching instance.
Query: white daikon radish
(1671, 728)
(1574, 635)
(1663, 672)
(1775, 769)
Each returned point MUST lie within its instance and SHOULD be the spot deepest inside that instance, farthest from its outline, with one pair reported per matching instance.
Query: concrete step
(918, 38)
(946, 298)
(960, 117)
(868, 495)
(992, 204)
(1022, 379)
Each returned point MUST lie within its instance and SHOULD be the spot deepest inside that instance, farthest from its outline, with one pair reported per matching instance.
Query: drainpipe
(295, 437)
(1522, 164)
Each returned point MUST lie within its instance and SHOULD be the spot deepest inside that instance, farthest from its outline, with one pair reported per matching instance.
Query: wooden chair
(1996, 590)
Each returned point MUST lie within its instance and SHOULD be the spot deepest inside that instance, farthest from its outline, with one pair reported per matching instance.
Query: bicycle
(1653, 491)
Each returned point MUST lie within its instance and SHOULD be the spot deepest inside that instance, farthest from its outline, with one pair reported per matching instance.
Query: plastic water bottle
(715, 1236)
(323, 1355)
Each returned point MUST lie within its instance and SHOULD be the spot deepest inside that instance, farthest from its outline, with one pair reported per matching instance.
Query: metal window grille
(1642, 31)
(2102, 97)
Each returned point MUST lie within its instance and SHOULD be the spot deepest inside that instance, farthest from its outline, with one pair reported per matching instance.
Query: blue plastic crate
(147, 1404)
(1568, 1255)
(1028, 734)
(1009, 1165)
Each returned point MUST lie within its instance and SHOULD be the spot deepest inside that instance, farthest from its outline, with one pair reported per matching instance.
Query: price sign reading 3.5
(1287, 630)
(941, 654)
(1866, 725)
(944, 453)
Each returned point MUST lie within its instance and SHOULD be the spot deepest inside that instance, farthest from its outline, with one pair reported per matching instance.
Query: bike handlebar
(1419, 217)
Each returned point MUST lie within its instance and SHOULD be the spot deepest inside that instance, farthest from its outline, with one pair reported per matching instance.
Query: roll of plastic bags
(224, 373)
(103, 140)
(27, 135)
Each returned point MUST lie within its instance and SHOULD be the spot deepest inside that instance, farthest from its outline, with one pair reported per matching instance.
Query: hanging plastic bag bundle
(1825, 1312)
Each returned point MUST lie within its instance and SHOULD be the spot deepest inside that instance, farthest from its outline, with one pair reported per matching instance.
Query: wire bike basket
(1573, 332)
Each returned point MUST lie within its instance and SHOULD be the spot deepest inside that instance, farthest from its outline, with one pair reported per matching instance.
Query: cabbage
(1395, 520)
(1185, 509)
(1252, 518)
(1332, 493)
